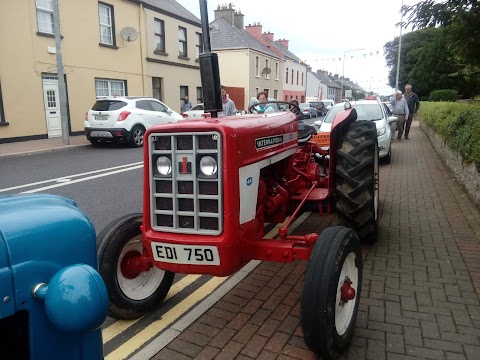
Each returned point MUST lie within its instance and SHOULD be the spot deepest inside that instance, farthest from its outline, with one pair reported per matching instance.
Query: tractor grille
(186, 200)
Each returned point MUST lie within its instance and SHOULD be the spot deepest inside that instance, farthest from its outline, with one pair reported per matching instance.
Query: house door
(52, 106)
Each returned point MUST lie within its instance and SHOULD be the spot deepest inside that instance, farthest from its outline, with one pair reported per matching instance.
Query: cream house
(112, 47)
(246, 65)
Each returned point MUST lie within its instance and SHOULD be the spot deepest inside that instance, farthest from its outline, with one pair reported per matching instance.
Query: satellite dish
(129, 34)
(266, 71)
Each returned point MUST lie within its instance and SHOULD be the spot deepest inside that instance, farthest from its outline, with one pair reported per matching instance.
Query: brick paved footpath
(421, 280)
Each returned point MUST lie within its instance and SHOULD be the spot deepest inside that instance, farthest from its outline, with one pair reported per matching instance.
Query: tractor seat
(305, 132)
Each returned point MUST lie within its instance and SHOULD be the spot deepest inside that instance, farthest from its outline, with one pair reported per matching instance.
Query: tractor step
(318, 194)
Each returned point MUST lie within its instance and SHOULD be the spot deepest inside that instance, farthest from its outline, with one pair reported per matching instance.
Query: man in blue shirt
(187, 105)
(400, 110)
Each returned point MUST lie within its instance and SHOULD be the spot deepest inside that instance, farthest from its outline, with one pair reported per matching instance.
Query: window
(257, 61)
(267, 76)
(286, 76)
(157, 88)
(105, 87)
(107, 33)
(266, 90)
(293, 72)
(276, 70)
(198, 45)
(298, 76)
(156, 106)
(302, 78)
(275, 94)
(256, 92)
(182, 42)
(143, 105)
(159, 36)
(199, 95)
(183, 93)
(45, 16)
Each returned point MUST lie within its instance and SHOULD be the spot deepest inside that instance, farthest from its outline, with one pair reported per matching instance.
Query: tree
(461, 19)
(412, 46)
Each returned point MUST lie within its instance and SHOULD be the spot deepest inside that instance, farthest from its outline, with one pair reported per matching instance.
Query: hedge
(443, 95)
(458, 124)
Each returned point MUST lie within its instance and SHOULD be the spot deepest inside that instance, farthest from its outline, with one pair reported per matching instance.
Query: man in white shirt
(400, 110)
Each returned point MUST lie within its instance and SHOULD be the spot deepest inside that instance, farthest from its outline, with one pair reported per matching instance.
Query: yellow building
(112, 47)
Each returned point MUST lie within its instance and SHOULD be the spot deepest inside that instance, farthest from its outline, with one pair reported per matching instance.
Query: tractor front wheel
(357, 178)
(331, 293)
(133, 292)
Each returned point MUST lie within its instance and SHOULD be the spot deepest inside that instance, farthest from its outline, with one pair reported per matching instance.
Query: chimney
(309, 69)
(269, 35)
(226, 12)
(283, 42)
(238, 20)
(254, 30)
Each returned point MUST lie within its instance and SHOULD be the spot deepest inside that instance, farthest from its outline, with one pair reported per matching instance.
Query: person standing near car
(227, 104)
(400, 110)
(413, 105)
(187, 105)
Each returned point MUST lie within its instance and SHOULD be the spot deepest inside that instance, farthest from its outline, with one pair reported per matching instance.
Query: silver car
(370, 110)
(308, 110)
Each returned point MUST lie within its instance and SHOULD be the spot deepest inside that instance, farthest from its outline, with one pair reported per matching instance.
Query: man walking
(400, 110)
(413, 105)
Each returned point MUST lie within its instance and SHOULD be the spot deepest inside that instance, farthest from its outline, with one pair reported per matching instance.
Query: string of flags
(361, 55)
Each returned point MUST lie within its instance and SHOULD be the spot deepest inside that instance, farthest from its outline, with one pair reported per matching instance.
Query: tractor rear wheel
(331, 293)
(357, 178)
(132, 293)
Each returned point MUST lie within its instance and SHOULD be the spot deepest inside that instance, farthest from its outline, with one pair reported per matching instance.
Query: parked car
(370, 110)
(125, 119)
(320, 106)
(328, 103)
(195, 112)
(308, 110)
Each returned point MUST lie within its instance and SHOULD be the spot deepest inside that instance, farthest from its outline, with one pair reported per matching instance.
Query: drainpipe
(142, 57)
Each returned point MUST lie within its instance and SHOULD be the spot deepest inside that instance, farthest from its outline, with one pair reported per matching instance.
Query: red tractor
(210, 186)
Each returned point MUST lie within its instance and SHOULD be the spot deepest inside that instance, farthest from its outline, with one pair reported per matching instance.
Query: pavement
(421, 278)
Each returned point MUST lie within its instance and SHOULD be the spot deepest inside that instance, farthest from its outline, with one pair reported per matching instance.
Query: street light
(399, 50)
(343, 69)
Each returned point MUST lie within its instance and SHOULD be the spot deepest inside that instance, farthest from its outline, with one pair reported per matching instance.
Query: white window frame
(160, 36)
(276, 70)
(106, 26)
(111, 90)
(182, 42)
(198, 45)
(44, 11)
(267, 76)
(257, 66)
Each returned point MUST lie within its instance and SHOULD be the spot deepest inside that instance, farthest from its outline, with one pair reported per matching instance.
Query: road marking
(162, 340)
(121, 325)
(63, 178)
(128, 347)
(81, 180)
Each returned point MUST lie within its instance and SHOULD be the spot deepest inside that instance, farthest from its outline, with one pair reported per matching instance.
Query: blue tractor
(52, 299)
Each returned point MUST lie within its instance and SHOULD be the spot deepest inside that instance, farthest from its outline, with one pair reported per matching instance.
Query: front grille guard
(186, 202)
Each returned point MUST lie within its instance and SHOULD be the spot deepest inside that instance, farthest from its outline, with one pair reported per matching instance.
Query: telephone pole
(399, 50)
(62, 91)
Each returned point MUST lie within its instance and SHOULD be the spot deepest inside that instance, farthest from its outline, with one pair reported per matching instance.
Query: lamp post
(399, 50)
(343, 70)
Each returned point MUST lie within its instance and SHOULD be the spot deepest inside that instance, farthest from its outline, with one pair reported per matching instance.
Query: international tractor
(211, 186)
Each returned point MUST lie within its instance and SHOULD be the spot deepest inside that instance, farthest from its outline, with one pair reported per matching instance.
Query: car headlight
(164, 166)
(380, 132)
(208, 166)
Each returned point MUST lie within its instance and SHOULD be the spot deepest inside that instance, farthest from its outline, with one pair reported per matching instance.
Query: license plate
(185, 254)
(101, 134)
(101, 117)
(322, 139)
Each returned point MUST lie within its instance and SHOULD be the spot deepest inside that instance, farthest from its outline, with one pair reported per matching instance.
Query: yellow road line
(128, 347)
(121, 325)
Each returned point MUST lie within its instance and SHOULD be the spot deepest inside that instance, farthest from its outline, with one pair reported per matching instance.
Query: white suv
(125, 119)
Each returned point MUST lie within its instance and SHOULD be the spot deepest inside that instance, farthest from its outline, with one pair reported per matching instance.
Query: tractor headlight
(380, 132)
(208, 166)
(164, 166)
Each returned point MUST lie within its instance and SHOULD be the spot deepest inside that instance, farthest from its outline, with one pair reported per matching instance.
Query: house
(246, 65)
(294, 81)
(113, 47)
(321, 86)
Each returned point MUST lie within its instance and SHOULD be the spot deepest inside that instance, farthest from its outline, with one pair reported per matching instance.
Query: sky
(321, 33)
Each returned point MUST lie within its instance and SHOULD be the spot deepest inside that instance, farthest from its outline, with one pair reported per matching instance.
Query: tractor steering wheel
(294, 108)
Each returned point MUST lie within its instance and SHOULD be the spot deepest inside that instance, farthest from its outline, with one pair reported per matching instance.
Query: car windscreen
(108, 105)
(369, 112)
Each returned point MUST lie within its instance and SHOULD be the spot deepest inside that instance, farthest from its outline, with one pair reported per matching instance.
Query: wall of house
(261, 81)
(234, 71)
(26, 55)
